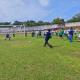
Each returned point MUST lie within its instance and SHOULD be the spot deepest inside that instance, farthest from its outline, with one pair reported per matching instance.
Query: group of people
(68, 34)
(61, 33)
(48, 35)
(37, 34)
(8, 36)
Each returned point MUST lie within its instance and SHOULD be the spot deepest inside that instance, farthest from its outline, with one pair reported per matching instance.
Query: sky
(46, 10)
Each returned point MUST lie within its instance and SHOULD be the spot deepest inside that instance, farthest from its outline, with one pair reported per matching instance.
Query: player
(47, 38)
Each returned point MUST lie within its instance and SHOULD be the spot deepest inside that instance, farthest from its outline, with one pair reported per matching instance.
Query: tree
(17, 23)
(75, 18)
(5, 23)
(58, 21)
(30, 23)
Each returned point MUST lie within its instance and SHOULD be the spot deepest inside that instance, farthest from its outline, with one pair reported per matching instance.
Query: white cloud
(11, 10)
(44, 2)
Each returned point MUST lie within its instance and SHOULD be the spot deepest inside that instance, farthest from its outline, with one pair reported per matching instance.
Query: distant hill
(75, 18)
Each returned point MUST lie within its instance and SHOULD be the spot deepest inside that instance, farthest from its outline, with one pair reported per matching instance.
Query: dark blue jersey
(71, 32)
(48, 35)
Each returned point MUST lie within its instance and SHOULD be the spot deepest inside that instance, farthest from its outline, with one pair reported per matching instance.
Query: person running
(61, 33)
(71, 34)
(47, 37)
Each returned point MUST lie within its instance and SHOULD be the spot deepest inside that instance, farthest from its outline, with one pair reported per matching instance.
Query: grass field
(27, 59)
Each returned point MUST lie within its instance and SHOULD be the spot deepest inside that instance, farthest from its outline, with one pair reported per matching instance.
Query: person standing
(7, 36)
(39, 34)
(79, 36)
(13, 34)
(47, 38)
(25, 33)
(33, 34)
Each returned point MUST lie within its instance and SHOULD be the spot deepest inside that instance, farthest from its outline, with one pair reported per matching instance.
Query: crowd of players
(69, 34)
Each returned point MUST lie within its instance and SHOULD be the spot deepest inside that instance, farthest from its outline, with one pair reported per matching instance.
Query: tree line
(30, 23)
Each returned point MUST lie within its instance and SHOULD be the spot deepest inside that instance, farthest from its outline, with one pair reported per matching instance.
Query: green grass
(27, 59)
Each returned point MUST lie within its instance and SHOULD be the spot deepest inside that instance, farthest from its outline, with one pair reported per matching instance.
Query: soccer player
(47, 37)
(71, 32)
(33, 34)
(8, 36)
(39, 34)
(61, 33)
(25, 33)
(79, 36)
(13, 34)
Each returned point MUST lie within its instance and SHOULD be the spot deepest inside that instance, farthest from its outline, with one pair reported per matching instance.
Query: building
(20, 28)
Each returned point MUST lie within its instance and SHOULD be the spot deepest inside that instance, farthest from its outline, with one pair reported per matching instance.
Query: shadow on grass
(53, 46)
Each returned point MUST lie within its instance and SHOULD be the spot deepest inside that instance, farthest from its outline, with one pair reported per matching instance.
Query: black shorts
(60, 35)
